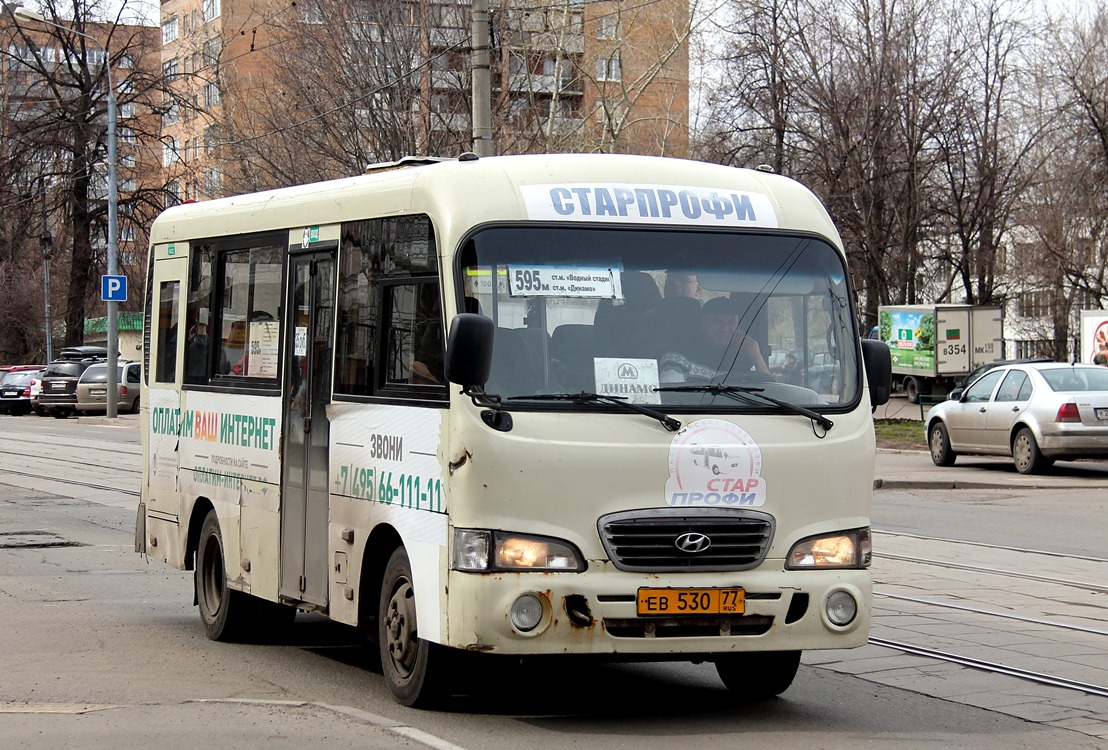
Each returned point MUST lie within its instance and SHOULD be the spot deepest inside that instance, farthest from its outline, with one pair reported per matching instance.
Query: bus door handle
(307, 425)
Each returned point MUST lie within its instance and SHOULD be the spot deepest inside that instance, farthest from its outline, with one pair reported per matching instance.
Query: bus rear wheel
(415, 670)
(758, 675)
(222, 609)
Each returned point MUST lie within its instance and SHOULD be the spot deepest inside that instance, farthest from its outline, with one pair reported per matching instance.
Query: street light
(113, 205)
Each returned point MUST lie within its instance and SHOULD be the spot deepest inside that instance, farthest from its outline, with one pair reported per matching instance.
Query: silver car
(92, 388)
(1036, 413)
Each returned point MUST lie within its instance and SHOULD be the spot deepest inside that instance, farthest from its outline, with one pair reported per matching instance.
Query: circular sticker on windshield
(714, 463)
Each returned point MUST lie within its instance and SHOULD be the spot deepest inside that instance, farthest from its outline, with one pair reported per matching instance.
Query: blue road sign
(113, 288)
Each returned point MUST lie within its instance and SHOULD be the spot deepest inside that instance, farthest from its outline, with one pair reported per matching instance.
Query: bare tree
(57, 84)
(982, 147)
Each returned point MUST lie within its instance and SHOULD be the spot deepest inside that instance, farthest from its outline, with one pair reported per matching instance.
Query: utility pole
(46, 242)
(482, 79)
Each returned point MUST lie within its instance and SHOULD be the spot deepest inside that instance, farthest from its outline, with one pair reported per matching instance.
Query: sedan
(15, 391)
(1036, 413)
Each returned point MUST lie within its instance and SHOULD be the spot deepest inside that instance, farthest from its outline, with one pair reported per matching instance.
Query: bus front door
(308, 331)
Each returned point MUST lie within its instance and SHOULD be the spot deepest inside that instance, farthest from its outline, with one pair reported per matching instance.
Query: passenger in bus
(196, 353)
(678, 312)
(718, 347)
(681, 284)
(427, 357)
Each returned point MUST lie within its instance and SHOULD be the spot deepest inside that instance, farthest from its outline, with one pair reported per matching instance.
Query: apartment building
(268, 94)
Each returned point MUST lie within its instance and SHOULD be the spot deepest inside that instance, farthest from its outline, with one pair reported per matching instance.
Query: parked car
(15, 391)
(36, 391)
(980, 370)
(4, 369)
(92, 388)
(59, 383)
(1036, 413)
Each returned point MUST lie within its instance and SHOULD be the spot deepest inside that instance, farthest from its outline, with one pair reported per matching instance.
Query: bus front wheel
(758, 675)
(414, 669)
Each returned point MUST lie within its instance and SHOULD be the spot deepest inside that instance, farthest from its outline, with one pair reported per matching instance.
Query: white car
(1036, 413)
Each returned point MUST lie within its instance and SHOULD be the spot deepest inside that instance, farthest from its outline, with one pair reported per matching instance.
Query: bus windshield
(654, 316)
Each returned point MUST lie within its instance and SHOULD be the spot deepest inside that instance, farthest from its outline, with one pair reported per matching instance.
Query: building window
(608, 69)
(211, 94)
(127, 110)
(211, 138)
(213, 181)
(211, 9)
(172, 113)
(127, 185)
(125, 135)
(172, 194)
(170, 69)
(169, 30)
(126, 160)
(608, 27)
(310, 12)
(211, 51)
(170, 155)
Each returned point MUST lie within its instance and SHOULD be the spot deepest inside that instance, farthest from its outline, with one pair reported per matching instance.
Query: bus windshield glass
(674, 318)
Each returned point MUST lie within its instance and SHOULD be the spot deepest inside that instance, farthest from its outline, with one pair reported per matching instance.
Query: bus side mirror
(879, 370)
(469, 350)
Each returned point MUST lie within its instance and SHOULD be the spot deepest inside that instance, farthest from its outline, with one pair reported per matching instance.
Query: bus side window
(168, 294)
(390, 336)
(415, 343)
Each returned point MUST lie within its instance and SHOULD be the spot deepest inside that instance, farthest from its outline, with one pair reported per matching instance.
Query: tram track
(74, 482)
(962, 631)
(993, 667)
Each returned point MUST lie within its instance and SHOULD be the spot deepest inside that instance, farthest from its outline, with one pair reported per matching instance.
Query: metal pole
(46, 242)
(113, 206)
(482, 83)
(113, 247)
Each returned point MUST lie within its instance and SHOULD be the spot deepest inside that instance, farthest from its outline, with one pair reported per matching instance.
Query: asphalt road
(104, 649)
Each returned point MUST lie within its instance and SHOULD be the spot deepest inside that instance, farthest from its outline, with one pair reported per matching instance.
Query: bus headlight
(480, 550)
(842, 549)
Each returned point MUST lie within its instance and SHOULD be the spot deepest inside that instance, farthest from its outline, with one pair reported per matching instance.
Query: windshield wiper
(667, 421)
(738, 392)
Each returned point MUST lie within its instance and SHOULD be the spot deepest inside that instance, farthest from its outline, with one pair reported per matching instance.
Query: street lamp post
(113, 206)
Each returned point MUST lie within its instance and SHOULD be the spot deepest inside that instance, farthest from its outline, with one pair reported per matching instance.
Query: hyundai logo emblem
(692, 542)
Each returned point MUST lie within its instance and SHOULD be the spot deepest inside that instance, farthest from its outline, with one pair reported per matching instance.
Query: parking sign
(113, 288)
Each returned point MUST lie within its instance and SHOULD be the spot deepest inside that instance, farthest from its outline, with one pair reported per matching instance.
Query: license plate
(57, 386)
(97, 391)
(10, 394)
(670, 602)
(1102, 413)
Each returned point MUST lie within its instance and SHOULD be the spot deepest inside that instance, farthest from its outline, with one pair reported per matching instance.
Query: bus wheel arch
(382, 541)
(200, 510)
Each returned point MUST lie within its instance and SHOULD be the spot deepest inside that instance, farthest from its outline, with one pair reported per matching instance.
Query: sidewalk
(898, 469)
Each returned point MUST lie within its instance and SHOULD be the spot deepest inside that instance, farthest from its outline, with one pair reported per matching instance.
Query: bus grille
(686, 539)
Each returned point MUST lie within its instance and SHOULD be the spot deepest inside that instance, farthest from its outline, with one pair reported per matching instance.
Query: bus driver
(716, 334)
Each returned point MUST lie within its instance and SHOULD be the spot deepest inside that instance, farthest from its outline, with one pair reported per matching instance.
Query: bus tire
(758, 675)
(415, 670)
(222, 609)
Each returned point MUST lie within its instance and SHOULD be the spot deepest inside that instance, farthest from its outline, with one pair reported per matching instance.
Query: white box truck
(934, 346)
